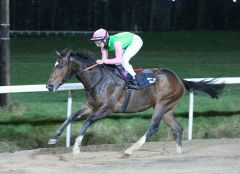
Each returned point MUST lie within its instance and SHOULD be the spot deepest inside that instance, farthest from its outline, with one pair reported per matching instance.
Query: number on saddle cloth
(146, 78)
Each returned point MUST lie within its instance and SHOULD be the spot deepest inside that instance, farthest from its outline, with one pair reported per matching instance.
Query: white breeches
(130, 52)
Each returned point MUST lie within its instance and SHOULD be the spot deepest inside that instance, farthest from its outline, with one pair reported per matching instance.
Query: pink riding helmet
(100, 34)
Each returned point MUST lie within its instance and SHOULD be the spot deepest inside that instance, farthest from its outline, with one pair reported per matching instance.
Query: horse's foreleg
(79, 114)
(98, 115)
(177, 128)
(154, 126)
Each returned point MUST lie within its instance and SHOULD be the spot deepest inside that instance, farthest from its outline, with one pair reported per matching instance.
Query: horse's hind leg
(160, 110)
(177, 128)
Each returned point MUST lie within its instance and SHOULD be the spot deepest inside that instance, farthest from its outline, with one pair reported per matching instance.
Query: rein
(90, 67)
(82, 71)
(69, 76)
(86, 69)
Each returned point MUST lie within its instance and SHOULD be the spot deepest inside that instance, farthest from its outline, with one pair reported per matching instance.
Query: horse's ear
(58, 54)
(68, 54)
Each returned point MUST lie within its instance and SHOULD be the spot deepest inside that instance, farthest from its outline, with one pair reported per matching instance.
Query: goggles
(98, 42)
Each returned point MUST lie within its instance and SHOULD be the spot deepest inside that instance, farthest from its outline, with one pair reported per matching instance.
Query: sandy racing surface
(198, 157)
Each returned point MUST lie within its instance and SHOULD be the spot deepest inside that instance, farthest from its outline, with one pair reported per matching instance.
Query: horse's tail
(207, 86)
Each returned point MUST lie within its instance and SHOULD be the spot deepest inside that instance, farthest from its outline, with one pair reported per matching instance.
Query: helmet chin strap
(105, 41)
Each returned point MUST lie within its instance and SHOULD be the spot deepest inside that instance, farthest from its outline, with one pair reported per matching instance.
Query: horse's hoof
(179, 149)
(52, 141)
(128, 152)
(76, 151)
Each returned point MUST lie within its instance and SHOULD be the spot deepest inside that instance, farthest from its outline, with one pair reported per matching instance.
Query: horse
(106, 92)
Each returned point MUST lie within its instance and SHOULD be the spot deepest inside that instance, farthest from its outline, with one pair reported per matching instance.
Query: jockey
(124, 44)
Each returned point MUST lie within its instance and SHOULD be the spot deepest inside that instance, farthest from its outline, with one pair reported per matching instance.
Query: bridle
(70, 75)
(75, 74)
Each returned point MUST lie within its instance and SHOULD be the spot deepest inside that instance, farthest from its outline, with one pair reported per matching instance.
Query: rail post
(69, 112)
(190, 115)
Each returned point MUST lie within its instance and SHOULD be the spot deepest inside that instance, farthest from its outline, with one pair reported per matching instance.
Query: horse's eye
(61, 65)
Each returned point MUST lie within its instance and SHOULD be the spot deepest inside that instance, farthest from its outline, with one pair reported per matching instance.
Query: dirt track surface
(198, 157)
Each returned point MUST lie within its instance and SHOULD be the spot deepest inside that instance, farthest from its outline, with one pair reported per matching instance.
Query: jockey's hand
(99, 61)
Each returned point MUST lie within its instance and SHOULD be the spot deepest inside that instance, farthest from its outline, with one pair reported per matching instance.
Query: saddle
(144, 78)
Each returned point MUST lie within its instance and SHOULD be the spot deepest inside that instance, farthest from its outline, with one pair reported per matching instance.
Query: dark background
(140, 15)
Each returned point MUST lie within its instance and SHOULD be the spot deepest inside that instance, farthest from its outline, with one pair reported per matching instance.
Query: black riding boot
(122, 71)
(132, 82)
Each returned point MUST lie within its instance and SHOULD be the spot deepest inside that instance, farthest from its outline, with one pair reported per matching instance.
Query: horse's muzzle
(54, 87)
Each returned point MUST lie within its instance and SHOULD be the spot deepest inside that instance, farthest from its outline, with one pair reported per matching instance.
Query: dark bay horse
(106, 92)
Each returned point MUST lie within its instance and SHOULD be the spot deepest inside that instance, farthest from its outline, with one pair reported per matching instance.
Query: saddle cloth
(145, 78)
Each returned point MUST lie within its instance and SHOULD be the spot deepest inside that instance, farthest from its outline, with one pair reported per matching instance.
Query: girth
(126, 100)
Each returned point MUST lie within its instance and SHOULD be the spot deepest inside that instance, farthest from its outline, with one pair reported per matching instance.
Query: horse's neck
(90, 79)
(94, 77)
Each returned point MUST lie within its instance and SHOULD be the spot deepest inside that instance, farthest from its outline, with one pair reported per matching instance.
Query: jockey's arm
(104, 54)
(118, 54)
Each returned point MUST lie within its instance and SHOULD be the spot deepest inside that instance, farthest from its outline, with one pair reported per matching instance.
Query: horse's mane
(84, 55)
(87, 57)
